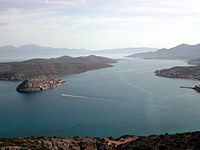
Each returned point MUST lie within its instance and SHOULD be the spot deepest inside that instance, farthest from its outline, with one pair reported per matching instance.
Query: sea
(126, 99)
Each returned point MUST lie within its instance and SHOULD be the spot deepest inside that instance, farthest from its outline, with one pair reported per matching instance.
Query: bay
(125, 99)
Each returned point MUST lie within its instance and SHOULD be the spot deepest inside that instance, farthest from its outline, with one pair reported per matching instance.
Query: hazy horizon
(92, 24)
(117, 48)
(33, 44)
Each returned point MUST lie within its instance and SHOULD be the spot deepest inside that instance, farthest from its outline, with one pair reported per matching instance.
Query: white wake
(85, 97)
(135, 86)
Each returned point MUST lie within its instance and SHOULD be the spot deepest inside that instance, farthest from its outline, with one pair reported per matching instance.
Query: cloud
(39, 3)
(68, 1)
(79, 22)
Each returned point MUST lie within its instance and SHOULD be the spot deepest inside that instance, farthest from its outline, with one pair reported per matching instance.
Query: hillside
(180, 72)
(53, 67)
(190, 53)
(182, 51)
(182, 141)
(194, 62)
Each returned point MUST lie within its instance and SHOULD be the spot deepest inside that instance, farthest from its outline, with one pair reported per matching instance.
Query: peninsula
(182, 72)
(40, 74)
(189, 53)
(53, 67)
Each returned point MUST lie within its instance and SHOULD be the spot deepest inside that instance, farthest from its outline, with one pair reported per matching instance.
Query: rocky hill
(53, 67)
(182, 51)
(184, 141)
(189, 141)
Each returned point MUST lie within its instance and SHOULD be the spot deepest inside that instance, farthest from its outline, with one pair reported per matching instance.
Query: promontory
(53, 67)
(41, 74)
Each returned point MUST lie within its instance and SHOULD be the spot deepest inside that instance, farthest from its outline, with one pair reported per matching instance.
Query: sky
(100, 24)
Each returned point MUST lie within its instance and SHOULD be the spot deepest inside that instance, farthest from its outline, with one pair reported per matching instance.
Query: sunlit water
(124, 99)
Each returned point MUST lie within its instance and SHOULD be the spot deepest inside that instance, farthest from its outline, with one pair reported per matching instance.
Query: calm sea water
(124, 99)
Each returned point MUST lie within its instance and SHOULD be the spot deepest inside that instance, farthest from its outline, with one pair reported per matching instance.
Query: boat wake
(85, 97)
(135, 86)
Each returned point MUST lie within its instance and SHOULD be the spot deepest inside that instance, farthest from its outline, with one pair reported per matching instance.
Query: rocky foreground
(184, 141)
(39, 84)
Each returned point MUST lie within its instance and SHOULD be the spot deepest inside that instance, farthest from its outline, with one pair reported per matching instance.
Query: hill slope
(121, 52)
(182, 51)
(53, 67)
(182, 141)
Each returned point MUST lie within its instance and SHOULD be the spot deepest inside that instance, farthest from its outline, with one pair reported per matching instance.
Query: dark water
(124, 99)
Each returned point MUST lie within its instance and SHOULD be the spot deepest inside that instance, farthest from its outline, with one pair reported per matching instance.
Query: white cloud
(68, 1)
(114, 23)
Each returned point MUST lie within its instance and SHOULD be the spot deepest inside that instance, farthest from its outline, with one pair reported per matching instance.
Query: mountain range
(25, 52)
(12, 53)
(183, 51)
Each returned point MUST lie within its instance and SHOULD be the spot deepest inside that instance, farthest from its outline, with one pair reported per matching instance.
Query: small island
(39, 84)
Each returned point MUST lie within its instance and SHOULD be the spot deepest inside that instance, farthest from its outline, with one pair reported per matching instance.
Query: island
(41, 74)
(39, 84)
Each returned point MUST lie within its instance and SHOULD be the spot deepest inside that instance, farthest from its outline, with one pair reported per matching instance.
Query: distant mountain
(53, 67)
(194, 62)
(122, 52)
(182, 51)
(11, 53)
